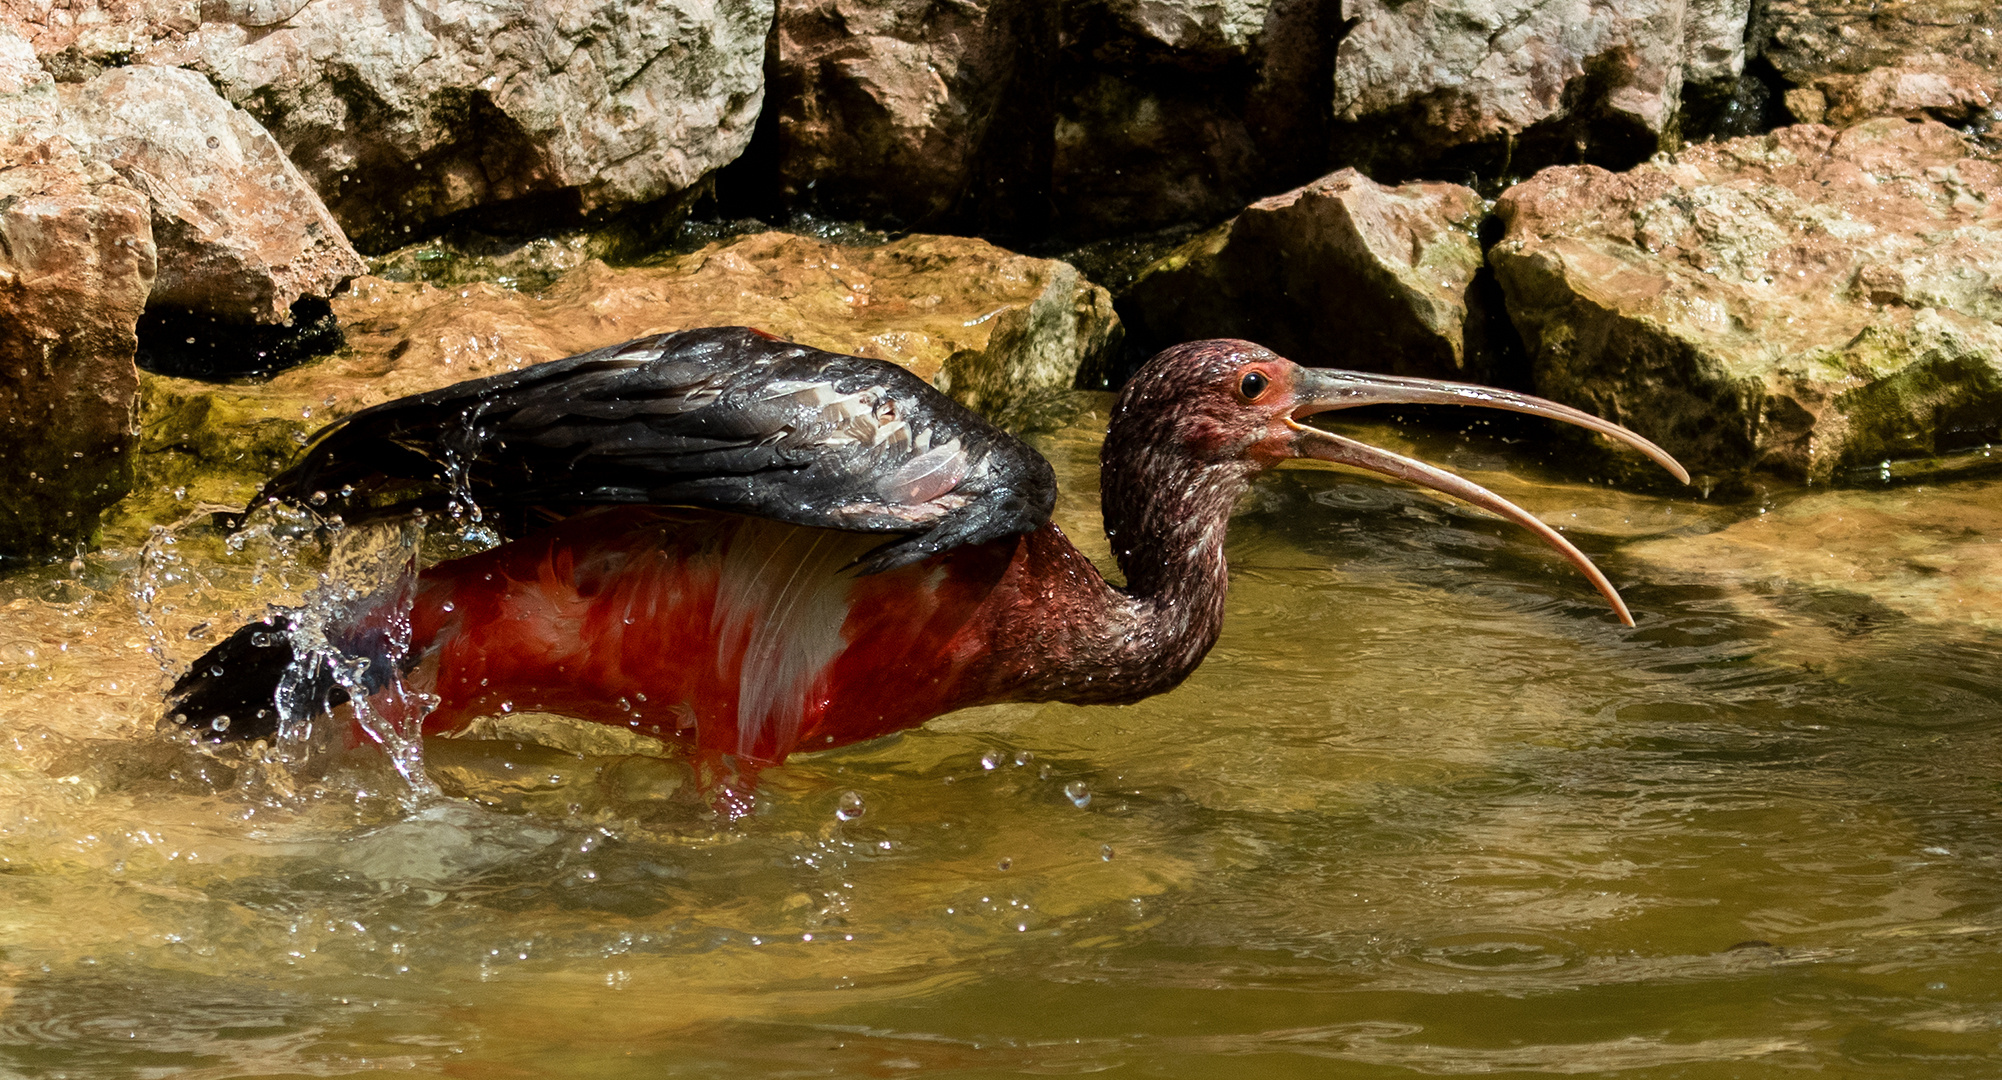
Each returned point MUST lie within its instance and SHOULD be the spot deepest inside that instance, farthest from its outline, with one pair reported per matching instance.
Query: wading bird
(758, 547)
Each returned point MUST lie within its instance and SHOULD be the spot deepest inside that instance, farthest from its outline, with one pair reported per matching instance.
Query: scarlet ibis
(758, 547)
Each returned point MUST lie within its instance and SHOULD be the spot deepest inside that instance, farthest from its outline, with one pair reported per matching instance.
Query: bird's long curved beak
(1321, 391)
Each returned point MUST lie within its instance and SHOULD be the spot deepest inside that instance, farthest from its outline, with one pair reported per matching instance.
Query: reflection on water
(1427, 809)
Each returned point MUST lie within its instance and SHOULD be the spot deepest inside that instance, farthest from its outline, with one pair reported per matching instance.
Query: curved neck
(1093, 643)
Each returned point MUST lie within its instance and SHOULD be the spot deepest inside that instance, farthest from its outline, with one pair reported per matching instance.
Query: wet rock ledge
(1765, 235)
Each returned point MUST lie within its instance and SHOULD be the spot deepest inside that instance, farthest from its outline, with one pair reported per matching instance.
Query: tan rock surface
(1806, 302)
(985, 324)
(76, 263)
(78, 36)
(1938, 59)
(241, 235)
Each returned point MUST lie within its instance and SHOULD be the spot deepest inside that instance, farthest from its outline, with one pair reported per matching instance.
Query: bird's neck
(1101, 644)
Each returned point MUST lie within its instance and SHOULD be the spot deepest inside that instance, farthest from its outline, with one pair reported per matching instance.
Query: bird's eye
(1253, 385)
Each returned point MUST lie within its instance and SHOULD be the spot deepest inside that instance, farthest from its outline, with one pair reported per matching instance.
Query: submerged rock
(1803, 302)
(1931, 553)
(1343, 272)
(241, 235)
(984, 324)
(403, 114)
(1849, 60)
(76, 263)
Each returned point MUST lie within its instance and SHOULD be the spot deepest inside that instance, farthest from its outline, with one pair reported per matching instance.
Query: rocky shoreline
(1768, 236)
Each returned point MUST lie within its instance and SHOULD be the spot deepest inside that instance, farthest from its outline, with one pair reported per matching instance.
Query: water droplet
(1105, 853)
(447, 607)
(849, 807)
(1004, 864)
(1023, 757)
(220, 723)
(318, 498)
(1079, 793)
(990, 760)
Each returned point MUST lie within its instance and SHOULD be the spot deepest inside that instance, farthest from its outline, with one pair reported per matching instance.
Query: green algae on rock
(986, 325)
(1804, 302)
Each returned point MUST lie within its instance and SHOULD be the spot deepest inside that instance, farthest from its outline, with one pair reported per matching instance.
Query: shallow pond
(1428, 808)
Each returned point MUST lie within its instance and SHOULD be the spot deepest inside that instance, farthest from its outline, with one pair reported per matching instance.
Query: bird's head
(1234, 409)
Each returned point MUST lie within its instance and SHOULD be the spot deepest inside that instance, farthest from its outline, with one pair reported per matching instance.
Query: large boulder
(1501, 86)
(1849, 60)
(241, 236)
(401, 114)
(1805, 302)
(76, 264)
(1343, 272)
(1085, 119)
(987, 325)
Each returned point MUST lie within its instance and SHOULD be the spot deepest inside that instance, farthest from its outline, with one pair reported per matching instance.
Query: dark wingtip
(231, 693)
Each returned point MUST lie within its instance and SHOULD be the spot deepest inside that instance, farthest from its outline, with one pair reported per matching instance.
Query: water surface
(1428, 809)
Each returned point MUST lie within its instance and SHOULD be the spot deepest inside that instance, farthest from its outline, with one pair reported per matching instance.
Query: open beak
(1320, 390)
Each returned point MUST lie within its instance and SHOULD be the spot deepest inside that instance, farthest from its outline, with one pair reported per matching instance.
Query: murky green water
(1427, 809)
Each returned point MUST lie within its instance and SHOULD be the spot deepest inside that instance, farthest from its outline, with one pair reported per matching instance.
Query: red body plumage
(747, 637)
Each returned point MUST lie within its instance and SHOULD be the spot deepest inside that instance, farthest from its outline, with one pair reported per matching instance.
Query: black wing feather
(726, 418)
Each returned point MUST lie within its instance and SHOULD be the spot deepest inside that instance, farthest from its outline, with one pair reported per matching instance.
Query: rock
(1179, 112)
(76, 263)
(19, 68)
(1130, 156)
(401, 114)
(1501, 86)
(912, 112)
(987, 325)
(1087, 120)
(1939, 59)
(76, 39)
(1713, 40)
(1343, 272)
(1805, 302)
(1931, 553)
(241, 236)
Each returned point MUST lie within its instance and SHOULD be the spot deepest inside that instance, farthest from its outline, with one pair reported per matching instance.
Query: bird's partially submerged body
(743, 636)
(758, 548)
